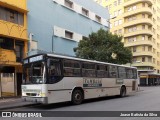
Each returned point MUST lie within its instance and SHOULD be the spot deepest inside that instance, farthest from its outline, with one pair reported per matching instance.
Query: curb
(17, 106)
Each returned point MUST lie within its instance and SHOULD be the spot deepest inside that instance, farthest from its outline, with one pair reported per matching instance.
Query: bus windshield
(35, 73)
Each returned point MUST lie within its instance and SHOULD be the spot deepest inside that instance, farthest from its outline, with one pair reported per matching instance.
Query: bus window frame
(106, 70)
(117, 75)
(95, 69)
(31, 67)
(60, 77)
(72, 68)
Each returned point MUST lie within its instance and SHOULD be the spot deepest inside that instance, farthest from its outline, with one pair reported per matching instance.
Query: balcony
(149, 64)
(8, 57)
(143, 53)
(131, 2)
(138, 21)
(142, 42)
(138, 32)
(147, 10)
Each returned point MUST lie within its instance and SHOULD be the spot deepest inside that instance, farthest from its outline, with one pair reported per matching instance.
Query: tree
(104, 46)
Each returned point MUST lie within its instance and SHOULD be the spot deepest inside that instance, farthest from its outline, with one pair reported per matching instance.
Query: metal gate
(7, 84)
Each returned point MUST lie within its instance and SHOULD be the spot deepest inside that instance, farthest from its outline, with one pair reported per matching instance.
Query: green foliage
(101, 46)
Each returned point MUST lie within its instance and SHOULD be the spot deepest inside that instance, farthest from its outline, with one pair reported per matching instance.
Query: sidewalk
(13, 102)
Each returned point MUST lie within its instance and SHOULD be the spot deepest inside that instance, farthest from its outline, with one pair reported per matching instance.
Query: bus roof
(85, 60)
(78, 59)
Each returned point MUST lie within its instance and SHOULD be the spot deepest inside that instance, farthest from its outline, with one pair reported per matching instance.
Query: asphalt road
(147, 99)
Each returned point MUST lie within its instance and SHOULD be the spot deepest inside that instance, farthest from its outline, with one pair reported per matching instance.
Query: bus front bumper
(42, 100)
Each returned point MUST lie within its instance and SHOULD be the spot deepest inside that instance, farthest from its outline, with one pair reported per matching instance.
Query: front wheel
(123, 92)
(77, 97)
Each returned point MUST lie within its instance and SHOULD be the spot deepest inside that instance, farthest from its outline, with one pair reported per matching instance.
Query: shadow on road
(67, 104)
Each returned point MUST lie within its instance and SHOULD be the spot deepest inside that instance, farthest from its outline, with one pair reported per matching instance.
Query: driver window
(54, 71)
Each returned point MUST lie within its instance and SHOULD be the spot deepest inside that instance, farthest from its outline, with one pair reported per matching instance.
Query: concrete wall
(44, 15)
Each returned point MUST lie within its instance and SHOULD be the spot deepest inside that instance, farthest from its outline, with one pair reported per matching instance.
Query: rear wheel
(123, 92)
(77, 97)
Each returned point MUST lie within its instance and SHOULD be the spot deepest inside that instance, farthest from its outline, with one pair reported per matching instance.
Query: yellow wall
(18, 3)
(12, 30)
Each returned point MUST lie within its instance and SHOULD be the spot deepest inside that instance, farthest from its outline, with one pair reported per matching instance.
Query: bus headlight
(42, 94)
(23, 94)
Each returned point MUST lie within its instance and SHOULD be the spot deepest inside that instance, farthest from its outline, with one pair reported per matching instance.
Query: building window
(134, 39)
(134, 49)
(129, 9)
(129, 29)
(115, 23)
(19, 50)
(143, 48)
(149, 48)
(143, 4)
(115, 3)
(143, 15)
(97, 18)
(134, 7)
(130, 39)
(120, 31)
(11, 16)
(68, 3)
(134, 28)
(85, 12)
(149, 59)
(143, 59)
(68, 35)
(119, 2)
(120, 22)
(143, 27)
(6, 43)
(119, 12)
(143, 37)
(134, 60)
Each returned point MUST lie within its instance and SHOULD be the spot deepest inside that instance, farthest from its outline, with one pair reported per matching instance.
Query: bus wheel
(77, 97)
(123, 91)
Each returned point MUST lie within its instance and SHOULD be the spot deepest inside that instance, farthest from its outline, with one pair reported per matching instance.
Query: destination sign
(36, 58)
(25, 61)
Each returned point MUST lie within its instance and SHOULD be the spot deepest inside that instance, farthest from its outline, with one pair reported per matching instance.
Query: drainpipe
(30, 41)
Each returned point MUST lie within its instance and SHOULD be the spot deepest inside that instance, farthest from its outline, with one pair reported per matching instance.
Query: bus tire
(77, 97)
(123, 91)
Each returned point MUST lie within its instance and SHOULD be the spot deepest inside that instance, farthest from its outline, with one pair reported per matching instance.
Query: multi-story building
(58, 25)
(138, 21)
(13, 45)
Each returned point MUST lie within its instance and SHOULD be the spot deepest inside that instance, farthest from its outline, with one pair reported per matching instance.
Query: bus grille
(31, 94)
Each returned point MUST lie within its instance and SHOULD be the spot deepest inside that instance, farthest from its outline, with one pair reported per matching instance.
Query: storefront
(149, 79)
(10, 80)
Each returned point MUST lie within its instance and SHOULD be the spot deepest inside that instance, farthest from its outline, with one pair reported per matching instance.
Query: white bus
(50, 78)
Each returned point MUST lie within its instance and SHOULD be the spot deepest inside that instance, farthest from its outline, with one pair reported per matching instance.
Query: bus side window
(54, 71)
(113, 71)
(71, 68)
(122, 72)
(134, 73)
(102, 71)
(129, 73)
(88, 70)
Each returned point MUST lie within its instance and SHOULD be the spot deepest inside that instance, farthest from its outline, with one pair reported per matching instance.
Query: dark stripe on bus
(88, 88)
